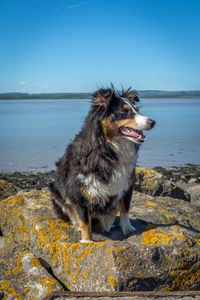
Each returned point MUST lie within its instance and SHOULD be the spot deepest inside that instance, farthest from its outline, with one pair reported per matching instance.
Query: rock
(22, 275)
(184, 177)
(174, 173)
(163, 253)
(6, 189)
(193, 181)
(194, 191)
(153, 183)
(28, 180)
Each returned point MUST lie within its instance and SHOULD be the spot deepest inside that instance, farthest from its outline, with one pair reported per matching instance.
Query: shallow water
(35, 133)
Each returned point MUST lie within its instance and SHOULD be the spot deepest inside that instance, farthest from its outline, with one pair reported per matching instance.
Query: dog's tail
(54, 191)
(61, 208)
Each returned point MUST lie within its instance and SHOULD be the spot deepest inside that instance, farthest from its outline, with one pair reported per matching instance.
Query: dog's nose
(152, 123)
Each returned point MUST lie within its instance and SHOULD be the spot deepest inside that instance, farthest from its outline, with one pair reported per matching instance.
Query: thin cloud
(82, 3)
(165, 77)
(40, 85)
(33, 85)
(60, 7)
(22, 82)
(44, 86)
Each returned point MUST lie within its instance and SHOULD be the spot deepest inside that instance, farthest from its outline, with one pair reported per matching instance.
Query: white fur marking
(118, 183)
(125, 223)
(130, 104)
(65, 211)
(85, 241)
(141, 121)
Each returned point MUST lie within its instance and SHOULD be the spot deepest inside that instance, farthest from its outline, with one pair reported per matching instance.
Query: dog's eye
(126, 111)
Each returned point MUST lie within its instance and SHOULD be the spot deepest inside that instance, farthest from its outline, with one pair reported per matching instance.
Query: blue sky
(78, 45)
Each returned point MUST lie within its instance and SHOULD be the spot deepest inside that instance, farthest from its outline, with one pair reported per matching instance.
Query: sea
(35, 133)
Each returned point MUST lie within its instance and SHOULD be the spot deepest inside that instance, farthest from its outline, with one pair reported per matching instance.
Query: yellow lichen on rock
(161, 237)
(112, 281)
(48, 283)
(13, 201)
(73, 253)
(21, 228)
(150, 203)
(184, 273)
(6, 189)
(110, 264)
(5, 286)
(47, 231)
(23, 267)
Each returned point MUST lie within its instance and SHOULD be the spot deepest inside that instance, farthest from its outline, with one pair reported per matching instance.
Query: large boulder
(153, 183)
(163, 253)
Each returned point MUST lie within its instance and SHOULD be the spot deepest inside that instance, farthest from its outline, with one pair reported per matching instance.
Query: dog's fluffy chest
(119, 181)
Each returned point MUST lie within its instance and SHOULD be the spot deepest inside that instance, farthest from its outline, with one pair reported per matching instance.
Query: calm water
(34, 133)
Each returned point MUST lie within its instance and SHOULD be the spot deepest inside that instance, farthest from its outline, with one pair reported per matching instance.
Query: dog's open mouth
(130, 132)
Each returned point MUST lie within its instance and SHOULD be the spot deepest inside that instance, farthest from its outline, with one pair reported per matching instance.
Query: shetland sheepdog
(95, 176)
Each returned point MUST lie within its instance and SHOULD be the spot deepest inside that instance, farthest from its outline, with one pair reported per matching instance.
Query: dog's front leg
(85, 225)
(124, 213)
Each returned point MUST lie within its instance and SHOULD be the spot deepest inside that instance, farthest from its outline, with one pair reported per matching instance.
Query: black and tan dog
(94, 178)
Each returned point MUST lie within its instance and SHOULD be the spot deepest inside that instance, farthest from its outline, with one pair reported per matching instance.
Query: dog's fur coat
(94, 178)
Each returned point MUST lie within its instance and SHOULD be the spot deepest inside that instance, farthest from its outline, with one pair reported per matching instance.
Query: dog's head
(121, 117)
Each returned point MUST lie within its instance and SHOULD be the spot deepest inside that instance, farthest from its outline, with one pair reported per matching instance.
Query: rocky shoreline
(184, 177)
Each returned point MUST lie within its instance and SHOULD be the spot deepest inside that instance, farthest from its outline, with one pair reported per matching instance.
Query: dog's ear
(102, 97)
(130, 94)
(133, 97)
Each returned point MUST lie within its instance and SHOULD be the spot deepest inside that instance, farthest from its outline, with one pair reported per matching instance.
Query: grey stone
(21, 274)
(194, 191)
(162, 254)
(150, 182)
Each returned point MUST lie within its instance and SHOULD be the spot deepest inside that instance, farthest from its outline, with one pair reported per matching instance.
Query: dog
(95, 176)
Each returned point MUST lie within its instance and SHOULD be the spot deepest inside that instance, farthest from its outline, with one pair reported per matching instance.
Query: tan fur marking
(127, 123)
(130, 182)
(103, 101)
(122, 206)
(110, 130)
(126, 106)
(86, 229)
(92, 199)
(131, 96)
(135, 107)
(98, 101)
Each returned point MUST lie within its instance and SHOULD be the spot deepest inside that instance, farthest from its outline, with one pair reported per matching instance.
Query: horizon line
(144, 90)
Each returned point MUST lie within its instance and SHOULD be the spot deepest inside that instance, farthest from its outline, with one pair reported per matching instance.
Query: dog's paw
(85, 241)
(128, 229)
(125, 224)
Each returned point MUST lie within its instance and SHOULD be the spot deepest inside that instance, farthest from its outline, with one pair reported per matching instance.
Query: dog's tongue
(130, 132)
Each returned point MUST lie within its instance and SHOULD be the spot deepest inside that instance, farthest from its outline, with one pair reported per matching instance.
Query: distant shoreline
(150, 94)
